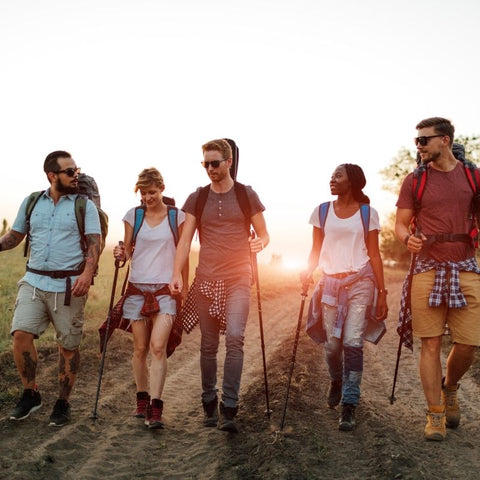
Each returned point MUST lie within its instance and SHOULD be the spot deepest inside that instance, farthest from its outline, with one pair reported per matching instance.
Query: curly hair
(358, 181)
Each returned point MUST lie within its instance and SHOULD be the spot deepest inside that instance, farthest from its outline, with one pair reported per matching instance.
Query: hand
(82, 284)
(381, 311)
(415, 244)
(119, 252)
(256, 244)
(176, 285)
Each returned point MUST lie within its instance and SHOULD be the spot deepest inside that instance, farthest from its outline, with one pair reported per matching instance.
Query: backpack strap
(242, 199)
(31, 202)
(172, 213)
(138, 222)
(324, 208)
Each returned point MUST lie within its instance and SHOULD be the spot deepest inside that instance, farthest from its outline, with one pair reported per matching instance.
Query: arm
(185, 271)
(83, 282)
(262, 239)
(10, 240)
(317, 242)
(377, 267)
(402, 230)
(183, 251)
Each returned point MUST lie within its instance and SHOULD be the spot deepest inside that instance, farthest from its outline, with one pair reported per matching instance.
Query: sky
(302, 86)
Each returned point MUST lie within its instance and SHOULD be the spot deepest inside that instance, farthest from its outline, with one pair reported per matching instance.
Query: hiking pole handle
(120, 263)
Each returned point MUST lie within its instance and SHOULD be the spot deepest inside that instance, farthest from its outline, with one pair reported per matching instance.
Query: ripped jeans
(344, 356)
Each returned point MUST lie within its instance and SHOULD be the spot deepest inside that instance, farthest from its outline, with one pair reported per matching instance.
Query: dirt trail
(386, 444)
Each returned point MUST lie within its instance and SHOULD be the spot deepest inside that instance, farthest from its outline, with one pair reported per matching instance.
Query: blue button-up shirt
(55, 239)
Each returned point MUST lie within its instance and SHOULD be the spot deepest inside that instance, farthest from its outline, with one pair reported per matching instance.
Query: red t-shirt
(445, 208)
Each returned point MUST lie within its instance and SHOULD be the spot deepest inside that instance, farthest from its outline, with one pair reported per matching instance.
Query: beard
(66, 189)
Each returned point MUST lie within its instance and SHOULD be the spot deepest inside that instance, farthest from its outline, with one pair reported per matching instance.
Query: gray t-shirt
(224, 248)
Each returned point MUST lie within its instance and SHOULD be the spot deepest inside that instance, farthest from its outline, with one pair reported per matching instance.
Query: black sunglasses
(213, 163)
(422, 141)
(70, 172)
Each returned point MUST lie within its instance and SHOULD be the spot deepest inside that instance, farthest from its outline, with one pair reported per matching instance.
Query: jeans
(344, 356)
(237, 309)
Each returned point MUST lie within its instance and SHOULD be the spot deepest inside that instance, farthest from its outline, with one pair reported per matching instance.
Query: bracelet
(382, 290)
(406, 239)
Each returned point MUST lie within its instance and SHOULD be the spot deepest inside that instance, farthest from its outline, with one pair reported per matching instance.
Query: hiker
(445, 283)
(345, 247)
(152, 252)
(223, 280)
(56, 284)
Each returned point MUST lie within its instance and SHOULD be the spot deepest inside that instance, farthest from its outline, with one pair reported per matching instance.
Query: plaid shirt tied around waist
(214, 291)
(443, 291)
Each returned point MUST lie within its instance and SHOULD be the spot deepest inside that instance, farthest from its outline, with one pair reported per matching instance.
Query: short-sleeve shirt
(343, 247)
(55, 239)
(445, 208)
(224, 248)
(154, 253)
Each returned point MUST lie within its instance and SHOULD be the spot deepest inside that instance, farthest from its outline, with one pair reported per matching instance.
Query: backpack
(364, 214)
(172, 214)
(87, 189)
(242, 199)
(420, 175)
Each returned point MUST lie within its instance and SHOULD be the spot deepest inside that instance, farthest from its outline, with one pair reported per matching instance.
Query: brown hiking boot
(143, 401)
(435, 428)
(450, 401)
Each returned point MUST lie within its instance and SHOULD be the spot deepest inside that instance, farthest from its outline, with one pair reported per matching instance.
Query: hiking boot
(28, 403)
(61, 413)
(334, 393)
(154, 414)
(347, 420)
(210, 413)
(450, 401)
(143, 401)
(227, 423)
(435, 428)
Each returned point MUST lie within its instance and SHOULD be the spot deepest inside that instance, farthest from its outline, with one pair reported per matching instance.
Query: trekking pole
(262, 339)
(295, 344)
(105, 340)
(392, 397)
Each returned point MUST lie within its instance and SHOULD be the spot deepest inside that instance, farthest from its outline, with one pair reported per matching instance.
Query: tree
(394, 173)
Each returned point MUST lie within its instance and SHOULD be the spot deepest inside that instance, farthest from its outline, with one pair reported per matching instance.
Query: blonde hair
(147, 177)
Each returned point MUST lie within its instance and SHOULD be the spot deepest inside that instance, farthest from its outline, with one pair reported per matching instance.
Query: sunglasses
(422, 141)
(70, 172)
(213, 163)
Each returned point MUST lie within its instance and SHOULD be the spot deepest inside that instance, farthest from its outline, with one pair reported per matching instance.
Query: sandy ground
(387, 443)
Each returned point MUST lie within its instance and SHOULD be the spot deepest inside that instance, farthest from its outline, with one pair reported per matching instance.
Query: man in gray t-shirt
(223, 277)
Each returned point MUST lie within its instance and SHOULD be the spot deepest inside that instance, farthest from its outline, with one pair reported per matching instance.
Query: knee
(21, 338)
(431, 345)
(235, 341)
(158, 349)
(140, 351)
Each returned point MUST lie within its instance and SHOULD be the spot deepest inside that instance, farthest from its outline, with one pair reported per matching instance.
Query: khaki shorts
(35, 309)
(463, 323)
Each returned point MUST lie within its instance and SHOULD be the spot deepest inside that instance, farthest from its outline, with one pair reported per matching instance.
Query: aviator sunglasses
(213, 163)
(70, 172)
(422, 141)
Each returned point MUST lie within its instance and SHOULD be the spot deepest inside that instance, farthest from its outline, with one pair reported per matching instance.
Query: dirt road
(387, 443)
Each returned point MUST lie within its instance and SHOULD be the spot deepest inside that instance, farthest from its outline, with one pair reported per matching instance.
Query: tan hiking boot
(435, 428)
(450, 401)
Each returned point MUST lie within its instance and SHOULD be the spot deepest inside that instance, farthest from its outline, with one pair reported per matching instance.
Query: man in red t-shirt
(445, 285)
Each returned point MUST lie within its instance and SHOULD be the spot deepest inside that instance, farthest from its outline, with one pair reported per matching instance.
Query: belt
(59, 274)
(341, 275)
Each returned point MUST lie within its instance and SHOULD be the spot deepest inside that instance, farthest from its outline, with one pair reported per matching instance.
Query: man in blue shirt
(55, 286)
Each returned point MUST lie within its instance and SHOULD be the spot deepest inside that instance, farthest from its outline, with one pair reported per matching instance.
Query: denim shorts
(134, 303)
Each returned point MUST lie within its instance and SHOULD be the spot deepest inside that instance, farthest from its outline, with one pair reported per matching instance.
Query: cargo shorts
(35, 309)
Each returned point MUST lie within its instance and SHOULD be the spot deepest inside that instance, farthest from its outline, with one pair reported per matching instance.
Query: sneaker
(435, 428)
(61, 413)
(28, 403)
(450, 401)
(334, 393)
(143, 401)
(210, 410)
(347, 420)
(227, 423)
(154, 414)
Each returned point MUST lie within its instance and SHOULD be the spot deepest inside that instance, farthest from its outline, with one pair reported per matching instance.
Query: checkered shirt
(442, 291)
(214, 291)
